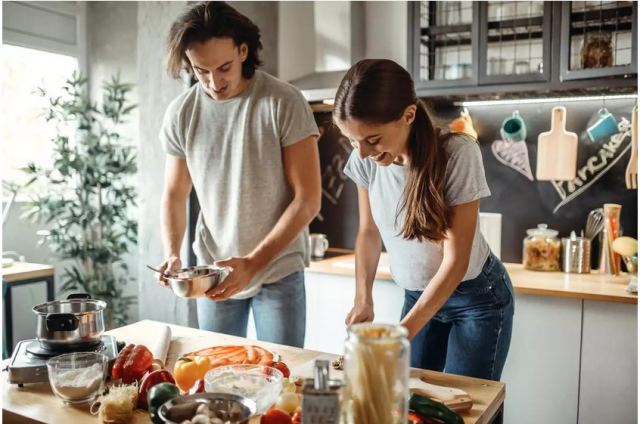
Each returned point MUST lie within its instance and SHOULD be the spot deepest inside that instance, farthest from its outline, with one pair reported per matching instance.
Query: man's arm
(302, 169)
(177, 186)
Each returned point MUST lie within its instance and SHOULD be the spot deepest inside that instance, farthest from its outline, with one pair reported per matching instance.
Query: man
(247, 143)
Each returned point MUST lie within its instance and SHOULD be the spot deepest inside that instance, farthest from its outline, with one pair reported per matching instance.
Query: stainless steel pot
(64, 325)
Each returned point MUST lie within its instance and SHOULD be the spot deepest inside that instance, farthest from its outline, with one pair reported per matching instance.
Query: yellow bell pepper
(190, 369)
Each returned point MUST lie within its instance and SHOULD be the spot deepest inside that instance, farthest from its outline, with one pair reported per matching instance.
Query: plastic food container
(77, 377)
(541, 249)
(259, 383)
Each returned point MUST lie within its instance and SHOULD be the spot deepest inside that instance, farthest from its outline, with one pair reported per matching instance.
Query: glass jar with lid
(376, 374)
(541, 249)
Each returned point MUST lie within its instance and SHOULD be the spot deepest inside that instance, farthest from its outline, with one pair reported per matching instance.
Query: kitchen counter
(36, 403)
(592, 286)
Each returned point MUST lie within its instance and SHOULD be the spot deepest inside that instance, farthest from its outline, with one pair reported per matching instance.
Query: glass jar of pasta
(541, 249)
(376, 374)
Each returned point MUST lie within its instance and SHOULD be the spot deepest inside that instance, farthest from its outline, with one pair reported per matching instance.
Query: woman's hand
(361, 312)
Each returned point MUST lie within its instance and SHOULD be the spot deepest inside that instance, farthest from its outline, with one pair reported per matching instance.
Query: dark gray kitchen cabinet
(495, 49)
(598, 39)
(444, 40)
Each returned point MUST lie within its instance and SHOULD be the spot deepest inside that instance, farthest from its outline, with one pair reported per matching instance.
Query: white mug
(319, 245)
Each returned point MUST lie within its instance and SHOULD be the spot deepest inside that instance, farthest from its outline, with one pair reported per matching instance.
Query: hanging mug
(605, 126)
(513, 128)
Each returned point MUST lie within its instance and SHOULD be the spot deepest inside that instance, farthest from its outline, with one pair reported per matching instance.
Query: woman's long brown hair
(378, 91)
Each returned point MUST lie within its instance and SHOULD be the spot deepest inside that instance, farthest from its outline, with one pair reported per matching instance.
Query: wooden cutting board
(455, 399)
(557, 150)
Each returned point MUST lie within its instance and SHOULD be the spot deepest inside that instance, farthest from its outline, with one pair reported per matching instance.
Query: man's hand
(170, 264)
(242, 272)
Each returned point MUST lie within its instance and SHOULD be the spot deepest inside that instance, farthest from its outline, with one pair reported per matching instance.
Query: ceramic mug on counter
(319, 245)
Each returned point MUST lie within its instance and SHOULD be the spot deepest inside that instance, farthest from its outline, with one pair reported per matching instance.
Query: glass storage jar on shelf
(376, 374)
(541, 249)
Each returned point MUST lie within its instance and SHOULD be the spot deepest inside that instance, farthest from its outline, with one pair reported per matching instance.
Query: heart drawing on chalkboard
(514, 155)
(596, 163)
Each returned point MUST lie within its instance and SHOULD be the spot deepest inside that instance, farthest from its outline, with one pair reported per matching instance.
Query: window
(25, 134)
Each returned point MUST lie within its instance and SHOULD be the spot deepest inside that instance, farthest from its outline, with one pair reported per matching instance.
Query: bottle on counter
(541, 249)
(376, 374)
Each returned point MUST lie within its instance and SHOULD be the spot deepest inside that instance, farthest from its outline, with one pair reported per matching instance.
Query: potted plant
(90, 196)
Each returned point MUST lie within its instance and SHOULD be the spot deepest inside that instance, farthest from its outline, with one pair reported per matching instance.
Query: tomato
(297, 418)
(190, 369)
(282, 367)
(275, 416)
(159, 394)
(414, 418)
(132, 362)
(150, 380)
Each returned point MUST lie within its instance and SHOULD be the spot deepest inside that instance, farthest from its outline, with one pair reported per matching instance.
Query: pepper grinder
(609, 260)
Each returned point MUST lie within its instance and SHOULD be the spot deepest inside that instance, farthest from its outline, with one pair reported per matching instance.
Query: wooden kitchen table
(35, 403)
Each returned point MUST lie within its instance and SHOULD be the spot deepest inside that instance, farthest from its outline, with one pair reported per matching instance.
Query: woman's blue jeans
(471, 333)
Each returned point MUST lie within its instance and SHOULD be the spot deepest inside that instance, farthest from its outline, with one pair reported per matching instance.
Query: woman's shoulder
(456, 144)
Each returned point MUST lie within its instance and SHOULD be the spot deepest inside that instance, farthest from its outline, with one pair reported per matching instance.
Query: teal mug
(513, 128)
(605, 126)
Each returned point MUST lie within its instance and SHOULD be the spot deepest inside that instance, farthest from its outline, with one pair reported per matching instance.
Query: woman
(419, 191)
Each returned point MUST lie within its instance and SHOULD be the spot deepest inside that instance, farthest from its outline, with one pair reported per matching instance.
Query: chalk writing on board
(514, 155)
(333, 177)
(594, 167)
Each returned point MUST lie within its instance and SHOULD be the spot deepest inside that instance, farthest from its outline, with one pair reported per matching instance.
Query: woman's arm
(455, 261)
(368, 248)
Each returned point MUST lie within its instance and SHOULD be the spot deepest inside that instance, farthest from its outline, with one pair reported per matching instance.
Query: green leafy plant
(90, 196)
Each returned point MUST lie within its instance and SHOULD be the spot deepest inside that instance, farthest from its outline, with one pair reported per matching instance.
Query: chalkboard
(338, 217)
(522, 202)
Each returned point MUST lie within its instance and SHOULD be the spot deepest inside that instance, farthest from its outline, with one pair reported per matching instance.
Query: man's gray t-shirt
(233, 149)
(413, 263)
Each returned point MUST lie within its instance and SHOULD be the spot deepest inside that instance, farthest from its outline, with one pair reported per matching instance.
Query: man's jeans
(471, 333)
(279, 311)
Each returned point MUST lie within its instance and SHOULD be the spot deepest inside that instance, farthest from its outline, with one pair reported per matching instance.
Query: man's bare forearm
(174, 222)
(295, 218)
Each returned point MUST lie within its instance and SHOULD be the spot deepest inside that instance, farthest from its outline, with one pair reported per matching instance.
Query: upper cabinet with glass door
(598, 39)
(444, 46)
(515, 41)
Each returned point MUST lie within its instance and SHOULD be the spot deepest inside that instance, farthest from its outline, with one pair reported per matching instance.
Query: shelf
(614, 14)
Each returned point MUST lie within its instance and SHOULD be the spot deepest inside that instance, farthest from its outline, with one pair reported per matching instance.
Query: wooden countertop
(20, 271)
(35, 403)
(592, 286)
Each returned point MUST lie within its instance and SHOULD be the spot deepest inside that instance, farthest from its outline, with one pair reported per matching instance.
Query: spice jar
(376, 374)
(541, 249)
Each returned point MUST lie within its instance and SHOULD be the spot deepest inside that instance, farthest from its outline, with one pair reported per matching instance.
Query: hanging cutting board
(557, 150)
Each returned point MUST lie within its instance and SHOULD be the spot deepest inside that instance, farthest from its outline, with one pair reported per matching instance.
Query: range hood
(316, 59)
